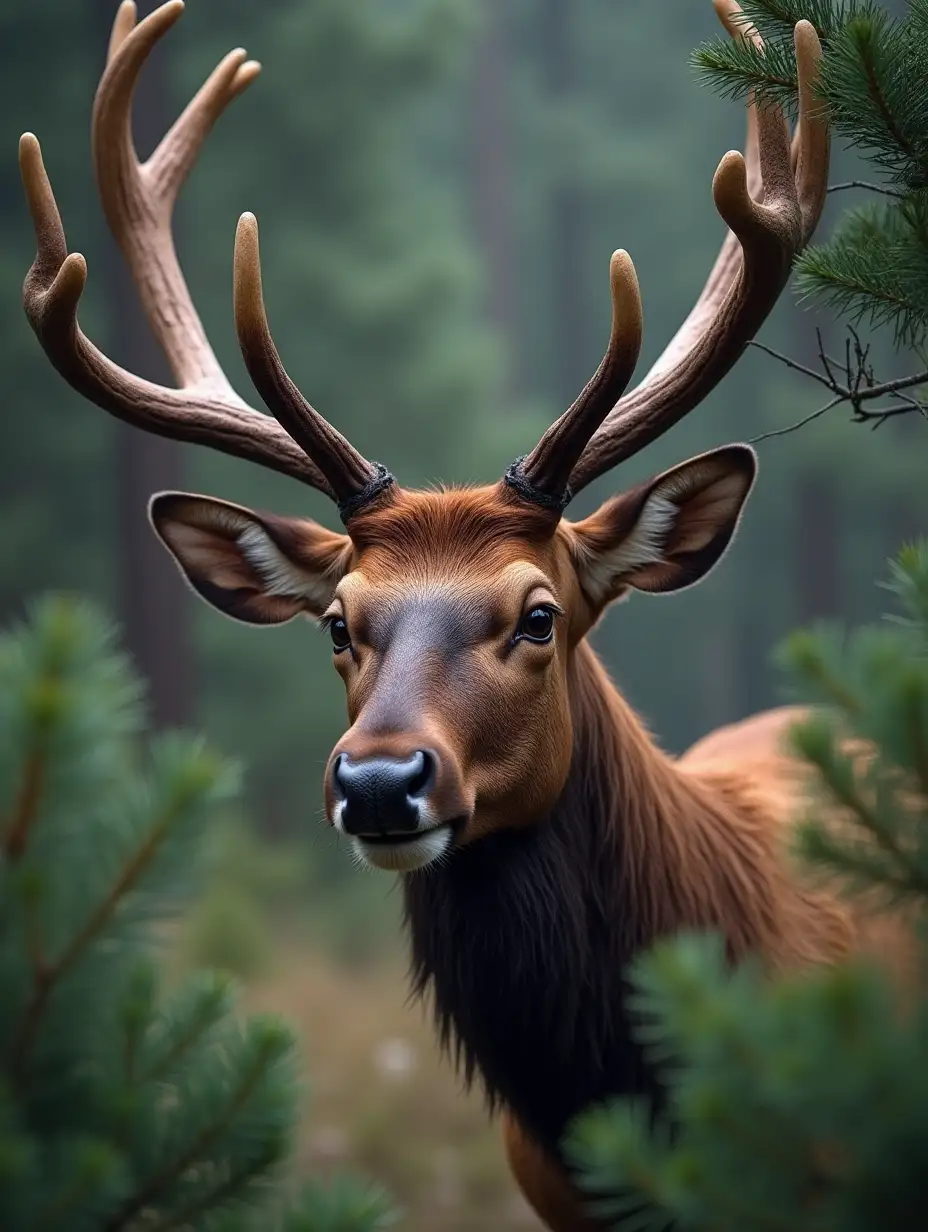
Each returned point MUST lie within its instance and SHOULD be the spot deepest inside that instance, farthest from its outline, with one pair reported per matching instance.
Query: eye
(536, 625)
(338, 631)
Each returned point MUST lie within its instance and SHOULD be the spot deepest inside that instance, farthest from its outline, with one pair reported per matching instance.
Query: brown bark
(818, 589)
(153, 605)
(568, 325)
(817, 551)
(491, 178)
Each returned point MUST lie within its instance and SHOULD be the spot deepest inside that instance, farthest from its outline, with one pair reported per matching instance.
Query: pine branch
(734, 69)
(115, 1113)
(777, 19)
(865, 35)
(213, 1199)
(272, 1043)
(210, 1007)
(27, 802)
(99, 1160)
(871, 80)
(46, 976)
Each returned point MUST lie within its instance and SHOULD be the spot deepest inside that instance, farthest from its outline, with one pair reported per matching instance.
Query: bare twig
(765, 436)
(882, 189)
(794, 364)
(857, 387)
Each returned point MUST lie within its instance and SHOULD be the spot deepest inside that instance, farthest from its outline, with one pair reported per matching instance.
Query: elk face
(452, 618)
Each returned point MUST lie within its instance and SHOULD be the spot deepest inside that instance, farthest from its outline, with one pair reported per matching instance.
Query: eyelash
(325, 624)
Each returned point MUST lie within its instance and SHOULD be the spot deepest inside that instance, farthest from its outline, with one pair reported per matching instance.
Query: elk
(541, 836)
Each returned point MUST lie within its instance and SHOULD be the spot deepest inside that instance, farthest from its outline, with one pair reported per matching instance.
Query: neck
(522, 938)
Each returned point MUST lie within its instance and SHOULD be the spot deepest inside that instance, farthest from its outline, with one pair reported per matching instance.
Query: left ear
(257, 568)
(667, 533)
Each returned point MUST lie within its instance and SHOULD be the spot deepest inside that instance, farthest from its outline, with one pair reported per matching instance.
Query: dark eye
(537, 625)
(338, 631)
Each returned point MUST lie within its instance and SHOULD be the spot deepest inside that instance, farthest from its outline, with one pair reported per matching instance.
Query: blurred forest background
(440, 184)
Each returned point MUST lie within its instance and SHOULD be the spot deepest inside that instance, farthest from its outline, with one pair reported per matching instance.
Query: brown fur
(535, 746)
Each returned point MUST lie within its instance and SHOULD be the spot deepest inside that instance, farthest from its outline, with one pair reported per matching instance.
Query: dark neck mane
(521, 939)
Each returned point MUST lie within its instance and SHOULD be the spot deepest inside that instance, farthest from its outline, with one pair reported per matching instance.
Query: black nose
(382, 795)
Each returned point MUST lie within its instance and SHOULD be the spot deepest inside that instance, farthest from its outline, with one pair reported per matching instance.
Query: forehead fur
(450, 529)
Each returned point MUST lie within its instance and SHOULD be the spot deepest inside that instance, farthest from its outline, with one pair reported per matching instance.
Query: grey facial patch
(436, 621)
(418, 638)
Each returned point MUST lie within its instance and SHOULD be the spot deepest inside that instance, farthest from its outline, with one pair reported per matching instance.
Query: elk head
(453, 615)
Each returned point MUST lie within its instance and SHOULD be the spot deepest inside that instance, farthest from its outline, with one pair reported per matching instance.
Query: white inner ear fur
(221, 547)
(644, 546)
(694, 501)
(280, 575)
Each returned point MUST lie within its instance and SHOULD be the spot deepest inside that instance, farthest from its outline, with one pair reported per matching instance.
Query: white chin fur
(408, 856)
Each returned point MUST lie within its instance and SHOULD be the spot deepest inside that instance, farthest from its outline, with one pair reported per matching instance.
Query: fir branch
(46, 977)
(802, 653)
(213, 1006)
(269, 1049)
(26, 807)
(918, 741)
(137, 1011)
(871, 78)
(858, 289)
(98, 1161)
(777, 19)
(212, 1199)
(865, 34)
(734, 68)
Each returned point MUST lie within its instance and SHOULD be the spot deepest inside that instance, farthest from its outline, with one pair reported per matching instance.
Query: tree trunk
(491, 177)
(568, 332)
(153, 603)
(818, 587)
(817, 553)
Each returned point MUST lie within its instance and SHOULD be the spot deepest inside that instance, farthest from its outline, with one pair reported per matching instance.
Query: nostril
(338, 767)
(423, 776)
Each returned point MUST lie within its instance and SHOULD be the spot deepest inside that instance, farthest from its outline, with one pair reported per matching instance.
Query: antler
(772, 201)
(138, 201)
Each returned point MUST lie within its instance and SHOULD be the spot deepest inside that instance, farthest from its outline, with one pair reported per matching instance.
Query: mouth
(405, 853)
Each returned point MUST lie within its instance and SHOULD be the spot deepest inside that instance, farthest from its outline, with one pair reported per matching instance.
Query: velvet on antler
(771, 200)
(138, 201)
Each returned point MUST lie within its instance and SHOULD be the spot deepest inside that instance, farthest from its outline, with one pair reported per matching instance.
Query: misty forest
(440, 185)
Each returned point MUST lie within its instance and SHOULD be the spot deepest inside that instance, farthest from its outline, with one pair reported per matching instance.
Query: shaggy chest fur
(521, 941)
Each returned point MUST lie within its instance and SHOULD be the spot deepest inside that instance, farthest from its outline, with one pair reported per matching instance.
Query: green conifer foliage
(122, 1107)
(801, 1104)
(875, 267)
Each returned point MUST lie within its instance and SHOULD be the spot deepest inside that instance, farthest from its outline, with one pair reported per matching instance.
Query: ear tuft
(668, 533)
(260, 569)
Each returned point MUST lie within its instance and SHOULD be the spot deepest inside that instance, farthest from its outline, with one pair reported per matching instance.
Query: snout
(401, 807)
(382, 797)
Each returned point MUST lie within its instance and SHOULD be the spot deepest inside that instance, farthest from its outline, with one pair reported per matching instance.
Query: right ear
(258, 568)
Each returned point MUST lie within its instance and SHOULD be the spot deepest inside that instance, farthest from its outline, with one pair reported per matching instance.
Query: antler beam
(138, 201)
(772, 201)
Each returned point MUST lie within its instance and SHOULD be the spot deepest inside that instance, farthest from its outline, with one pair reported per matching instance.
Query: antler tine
(349, 474)
(123, 24)
(772, 211)
(51, 294)
(547, 468)
(138, 200)
(812, 136)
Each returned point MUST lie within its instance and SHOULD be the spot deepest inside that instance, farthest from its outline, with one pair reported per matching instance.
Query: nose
(382, 795)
